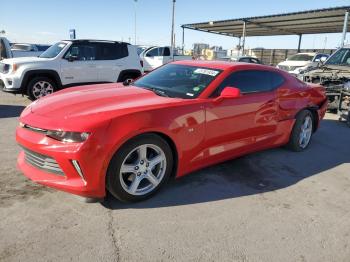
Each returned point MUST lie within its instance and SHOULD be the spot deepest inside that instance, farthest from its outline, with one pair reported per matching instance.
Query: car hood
(102, 101)
(23, 60)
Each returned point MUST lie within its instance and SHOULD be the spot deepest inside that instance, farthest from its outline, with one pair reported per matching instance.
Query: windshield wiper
(157, 91)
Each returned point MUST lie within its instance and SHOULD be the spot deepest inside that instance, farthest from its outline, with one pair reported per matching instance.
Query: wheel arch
(171, 142)
(133, 72)
(29, 75)
(315, 117)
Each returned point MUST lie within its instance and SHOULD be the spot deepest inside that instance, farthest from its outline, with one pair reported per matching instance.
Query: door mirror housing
(229, 92)
(72, 58)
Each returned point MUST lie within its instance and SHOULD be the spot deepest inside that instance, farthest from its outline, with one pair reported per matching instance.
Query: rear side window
(166, 51)
(111, 51)
(252, 81)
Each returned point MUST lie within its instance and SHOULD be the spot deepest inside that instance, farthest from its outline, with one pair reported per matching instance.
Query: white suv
(69, 63)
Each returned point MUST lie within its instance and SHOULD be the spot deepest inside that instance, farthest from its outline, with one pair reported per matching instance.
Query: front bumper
(10, 83)
(86, 182)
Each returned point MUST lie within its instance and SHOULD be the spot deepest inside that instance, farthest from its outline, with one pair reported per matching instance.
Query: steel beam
(345, 28)
(299, 43)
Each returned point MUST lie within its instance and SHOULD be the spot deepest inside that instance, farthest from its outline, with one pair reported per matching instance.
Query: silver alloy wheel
(142, 169)
(42, 88)
(305, 132)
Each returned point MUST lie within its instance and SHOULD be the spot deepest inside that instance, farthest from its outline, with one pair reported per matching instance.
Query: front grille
(2, 85)
(42, 162)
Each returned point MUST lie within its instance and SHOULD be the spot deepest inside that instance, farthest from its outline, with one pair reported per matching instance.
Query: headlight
(70, 137)
(14, 67)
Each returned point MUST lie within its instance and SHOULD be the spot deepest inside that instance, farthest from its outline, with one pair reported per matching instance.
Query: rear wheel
(302, 131)
(139, 168)
(39, 87)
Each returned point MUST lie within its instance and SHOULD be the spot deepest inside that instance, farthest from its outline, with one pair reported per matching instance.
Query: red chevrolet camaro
(129, 139)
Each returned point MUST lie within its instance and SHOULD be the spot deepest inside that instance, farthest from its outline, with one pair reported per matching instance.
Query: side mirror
(323, 59)
(72, 58)
(128, 82)
(229, 93)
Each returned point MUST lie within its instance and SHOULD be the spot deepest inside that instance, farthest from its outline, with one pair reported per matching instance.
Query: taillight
(141, 63)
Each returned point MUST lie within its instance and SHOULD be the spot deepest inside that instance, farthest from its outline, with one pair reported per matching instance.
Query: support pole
(345, 28)
(299, 43)
(243, 36)
(172, 31)
(183, 40)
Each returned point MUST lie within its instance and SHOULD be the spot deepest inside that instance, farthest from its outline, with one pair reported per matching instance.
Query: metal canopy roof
(328, 20)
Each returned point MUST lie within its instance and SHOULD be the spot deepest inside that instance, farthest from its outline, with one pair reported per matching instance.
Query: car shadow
(8, 111)
(265, 171)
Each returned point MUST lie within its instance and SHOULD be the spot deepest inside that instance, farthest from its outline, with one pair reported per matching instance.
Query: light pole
(135, 1)
(172, 31)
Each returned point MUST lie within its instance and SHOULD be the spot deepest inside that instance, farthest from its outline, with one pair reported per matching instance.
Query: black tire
(294, 143)
(130, 77)
(31, 91)
(113, 180)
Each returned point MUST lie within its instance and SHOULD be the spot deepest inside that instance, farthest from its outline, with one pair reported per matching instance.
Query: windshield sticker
(196, 88)
(189, 94)
(206, 72)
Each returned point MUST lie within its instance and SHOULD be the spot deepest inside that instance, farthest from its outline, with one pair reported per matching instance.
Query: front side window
(252, 81)
(82, 52)
(153, 52)
(54, 50)
(341, 57)
(181, 81)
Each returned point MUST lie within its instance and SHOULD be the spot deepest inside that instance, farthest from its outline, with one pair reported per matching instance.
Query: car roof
(93, 40)
(216, 64)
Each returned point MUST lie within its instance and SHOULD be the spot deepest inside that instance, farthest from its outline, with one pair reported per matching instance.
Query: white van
(156, 56)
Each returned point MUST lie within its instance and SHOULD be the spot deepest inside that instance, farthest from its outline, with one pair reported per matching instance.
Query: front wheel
(39, 87)
(139, 168)
(302, 131)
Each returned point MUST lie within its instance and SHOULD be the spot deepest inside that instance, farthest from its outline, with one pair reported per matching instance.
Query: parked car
(5, 48)
(244, 59)
(155, 56)
(302, 62)
(68, 63)
(334, 75)
(180, 117)
(24, 50)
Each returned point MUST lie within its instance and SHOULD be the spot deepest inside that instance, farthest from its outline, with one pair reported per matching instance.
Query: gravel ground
(270, 206)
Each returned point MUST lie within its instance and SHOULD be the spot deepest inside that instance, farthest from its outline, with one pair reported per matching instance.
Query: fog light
(9, 81)
(79, 171)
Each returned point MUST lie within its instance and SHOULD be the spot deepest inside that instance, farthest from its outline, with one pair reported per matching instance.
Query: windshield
(178, 80)
(140, 50)
(21, 47)
(54, 50)
(300, 57)
(340, 57)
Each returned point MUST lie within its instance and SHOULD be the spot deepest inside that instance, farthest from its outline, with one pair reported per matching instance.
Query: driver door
(243, 124)
(79, 64)
(153, 58)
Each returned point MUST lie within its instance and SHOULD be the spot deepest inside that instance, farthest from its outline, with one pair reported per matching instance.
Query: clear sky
(39, 21)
